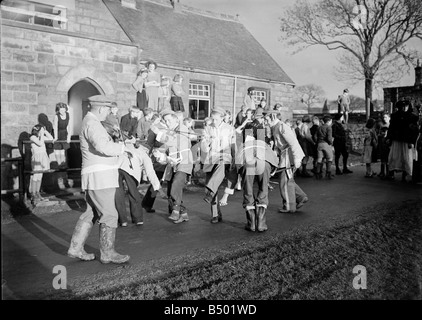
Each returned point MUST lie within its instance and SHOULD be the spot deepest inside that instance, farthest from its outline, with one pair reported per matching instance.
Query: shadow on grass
(315, 263)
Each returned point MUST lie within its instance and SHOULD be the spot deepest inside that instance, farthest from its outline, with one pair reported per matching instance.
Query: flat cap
(166, 112)
(219, 110)
(259, 112)
(101, 100)
(306, 118)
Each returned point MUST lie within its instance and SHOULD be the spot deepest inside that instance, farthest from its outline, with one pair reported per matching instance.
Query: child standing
(39, 159)
(384, 149)
(370, 143)
(61, 126)
(164, 95)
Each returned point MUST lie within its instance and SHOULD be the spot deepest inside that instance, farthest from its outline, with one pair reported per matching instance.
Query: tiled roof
(192, 40)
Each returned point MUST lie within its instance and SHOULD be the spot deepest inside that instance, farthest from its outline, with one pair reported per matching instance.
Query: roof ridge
(193, 10)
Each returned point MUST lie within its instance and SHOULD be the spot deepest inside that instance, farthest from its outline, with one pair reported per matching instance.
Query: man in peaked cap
(99, 181)
(218, 144)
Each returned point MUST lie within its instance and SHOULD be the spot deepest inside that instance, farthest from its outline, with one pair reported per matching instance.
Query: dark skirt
(141, 100)
(61, 146)
(176, 104)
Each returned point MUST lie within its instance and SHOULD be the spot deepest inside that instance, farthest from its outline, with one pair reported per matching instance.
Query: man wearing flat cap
(218, 144)
(99, 175)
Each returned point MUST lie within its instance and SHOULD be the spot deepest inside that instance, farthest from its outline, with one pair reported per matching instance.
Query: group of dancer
(258, 146)
(224, 152)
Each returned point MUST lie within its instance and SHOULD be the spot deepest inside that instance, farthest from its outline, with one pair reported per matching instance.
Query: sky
(313, 65)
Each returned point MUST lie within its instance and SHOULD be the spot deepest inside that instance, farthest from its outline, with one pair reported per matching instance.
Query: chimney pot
(176, 5)
(128, 3)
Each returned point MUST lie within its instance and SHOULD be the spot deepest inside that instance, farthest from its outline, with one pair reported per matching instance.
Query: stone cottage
(413, 93)
(67, 50)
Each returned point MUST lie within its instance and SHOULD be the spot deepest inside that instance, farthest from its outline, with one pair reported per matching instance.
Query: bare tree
(310, 94)
(373, 35)
(357, 104)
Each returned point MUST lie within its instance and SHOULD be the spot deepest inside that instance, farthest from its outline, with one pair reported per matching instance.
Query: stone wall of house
(38, 67)
(92, 18)
(223, 89)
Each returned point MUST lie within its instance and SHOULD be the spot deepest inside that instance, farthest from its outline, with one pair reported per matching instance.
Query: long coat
(288, 148)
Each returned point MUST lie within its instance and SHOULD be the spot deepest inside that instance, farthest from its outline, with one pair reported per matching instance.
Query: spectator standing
(139, 86)
(402, 135)
(307, 144)
(370, 144)
(248, 100)
(325, 147)
(176, 101)
(39, 160)
(345, 105)
(61, 125)
(339, 143)
(152, 84)
(313, 130)
(164, 95)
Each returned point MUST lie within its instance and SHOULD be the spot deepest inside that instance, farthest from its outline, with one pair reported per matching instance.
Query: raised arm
(138, 84)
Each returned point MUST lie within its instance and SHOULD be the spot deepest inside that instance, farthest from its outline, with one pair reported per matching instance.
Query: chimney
(129, 3)
(418, 75)
(176, 5)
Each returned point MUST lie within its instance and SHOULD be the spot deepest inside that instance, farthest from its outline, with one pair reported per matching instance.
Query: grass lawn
(316, 263)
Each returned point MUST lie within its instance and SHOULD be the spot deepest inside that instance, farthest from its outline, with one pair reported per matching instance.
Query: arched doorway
(77, 97)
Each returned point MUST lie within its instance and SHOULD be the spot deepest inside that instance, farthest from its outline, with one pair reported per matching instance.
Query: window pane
(193, 108)
(203, 109)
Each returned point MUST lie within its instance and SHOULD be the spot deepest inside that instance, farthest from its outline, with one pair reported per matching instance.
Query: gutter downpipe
(234, 98)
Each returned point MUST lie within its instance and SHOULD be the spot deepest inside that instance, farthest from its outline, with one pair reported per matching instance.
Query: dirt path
(33, 245)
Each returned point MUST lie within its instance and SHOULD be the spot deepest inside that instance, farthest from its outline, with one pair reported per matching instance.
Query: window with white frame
(36, 13)
(199, 100)
(259, 94)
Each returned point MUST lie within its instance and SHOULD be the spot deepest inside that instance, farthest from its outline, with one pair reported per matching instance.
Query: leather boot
(175, 215)
(80, 234)
(107, 240)
(328, 171)
(216, 215)
(250, 218)
(182, 218)
(318, 174)
(262, 221)
(305, 172)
